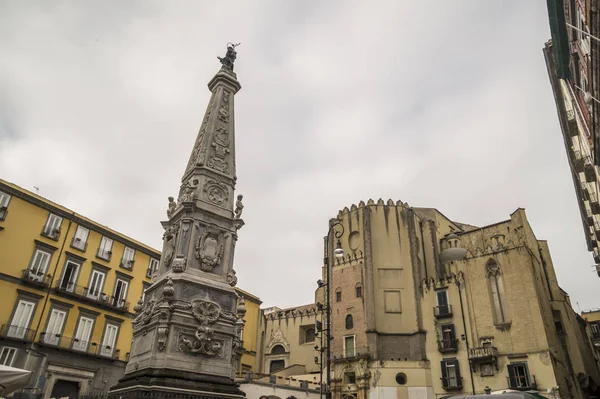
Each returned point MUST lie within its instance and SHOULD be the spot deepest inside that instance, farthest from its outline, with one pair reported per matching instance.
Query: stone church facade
(425, 307)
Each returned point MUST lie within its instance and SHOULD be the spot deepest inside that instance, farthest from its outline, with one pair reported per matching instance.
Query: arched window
(496, 287)
(276, 365)
(359, 292)
(338, 295)
(278, 350)
(349, 322)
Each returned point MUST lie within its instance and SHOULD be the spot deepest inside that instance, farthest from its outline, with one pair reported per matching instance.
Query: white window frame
(52, 227)
(353, 344)
(84, 342)
(21, 319)
(81, 236)
(4, 200)
(124, 292)
(108, 348)
(128, 257)
(152, 267)
(56, 321)
(39, 265)
(8, 352)
(105, 248)
(95, 291)
(73, 283)
(595, 328)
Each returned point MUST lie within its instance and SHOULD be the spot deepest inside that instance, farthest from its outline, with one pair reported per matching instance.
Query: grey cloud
(439, 105)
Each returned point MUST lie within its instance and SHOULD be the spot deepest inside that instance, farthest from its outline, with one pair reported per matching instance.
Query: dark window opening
(349, 322)
(358, 291)
(278, 350)
(349, 378)
(276, 365)
(401, 379)
(338, 296)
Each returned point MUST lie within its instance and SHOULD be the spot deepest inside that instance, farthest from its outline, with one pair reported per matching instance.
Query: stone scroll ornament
(203, 341)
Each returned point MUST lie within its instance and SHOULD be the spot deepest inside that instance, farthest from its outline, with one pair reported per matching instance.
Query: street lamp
(338, 253)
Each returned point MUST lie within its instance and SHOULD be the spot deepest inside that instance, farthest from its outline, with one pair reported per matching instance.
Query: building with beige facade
(425, 307)
(593, 318)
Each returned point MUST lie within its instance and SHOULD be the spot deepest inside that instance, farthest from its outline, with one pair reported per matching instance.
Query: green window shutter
(458, 377)
(512, 375)
(444, 374)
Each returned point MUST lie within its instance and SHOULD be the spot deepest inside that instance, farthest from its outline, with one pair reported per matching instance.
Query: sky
(438, 104)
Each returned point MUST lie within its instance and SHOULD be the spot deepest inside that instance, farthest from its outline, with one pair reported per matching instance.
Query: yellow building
(593, 319)
(249, 336)
(68, 286)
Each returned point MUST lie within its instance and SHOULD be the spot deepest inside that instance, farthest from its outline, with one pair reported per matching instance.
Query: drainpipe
(462, 313)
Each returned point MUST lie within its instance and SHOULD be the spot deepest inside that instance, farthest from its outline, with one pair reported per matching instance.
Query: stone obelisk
(186, 335)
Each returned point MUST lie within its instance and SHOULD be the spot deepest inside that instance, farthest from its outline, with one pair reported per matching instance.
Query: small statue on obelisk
(230, 56)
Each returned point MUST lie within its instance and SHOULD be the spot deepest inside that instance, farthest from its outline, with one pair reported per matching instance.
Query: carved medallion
(223, 115)
(204, 343)
(209, 250)
(206, 312)
(216, 192)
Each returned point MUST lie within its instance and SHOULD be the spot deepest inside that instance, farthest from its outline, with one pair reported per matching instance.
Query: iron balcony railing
(17, 332)
(91, 295)
(78, 345)
(36, 277)
(79, 244)
(448, 345)
(521, 382)
(104, 254)
(442, 311)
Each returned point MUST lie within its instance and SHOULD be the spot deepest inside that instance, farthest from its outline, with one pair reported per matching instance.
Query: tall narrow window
(443, 307)
(152, 267)
(128, 255)
(21, 319)
(120, 294)
(96, 284)
(52, 227)
(451, 374)
(84, 332)
(358, 290)
(81, 237)
(105, 248)
(39, 265)
(55, 325)
(69, 277)
(496, 286)
(349, 348)
(110, 340)
(349, 322)
(338, 295)
(4, 200)
(7, 356)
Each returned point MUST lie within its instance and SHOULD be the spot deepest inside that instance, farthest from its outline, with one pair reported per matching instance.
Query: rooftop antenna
(578, 307)
(37, 189)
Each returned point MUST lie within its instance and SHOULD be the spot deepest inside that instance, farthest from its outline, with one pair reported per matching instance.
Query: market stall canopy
(12, 379)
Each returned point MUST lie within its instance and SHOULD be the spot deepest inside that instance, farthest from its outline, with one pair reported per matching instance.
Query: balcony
(589, 170)
(448, 345)
(36, 278)
(597, 228)
(17, 332)
(578, 160)
(78, 244)
(484, 354)
(572, 120)
(522, 382)
(127, 264)
(52, 234)
(451, 383)
(585, 190)
(351, 353)
(104, 254)
(442, 311)
(594, 203)
(589, 215)
(90, 296)
(76, 345)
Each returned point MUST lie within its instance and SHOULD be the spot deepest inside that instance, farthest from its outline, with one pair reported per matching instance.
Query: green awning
(560, 39)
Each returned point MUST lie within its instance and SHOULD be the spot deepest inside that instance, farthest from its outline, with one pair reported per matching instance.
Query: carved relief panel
(210, 248)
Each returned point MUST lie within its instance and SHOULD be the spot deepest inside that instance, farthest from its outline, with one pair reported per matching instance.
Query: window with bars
(518, 376)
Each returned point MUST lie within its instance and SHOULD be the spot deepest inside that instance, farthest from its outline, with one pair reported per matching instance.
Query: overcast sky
(438, 104)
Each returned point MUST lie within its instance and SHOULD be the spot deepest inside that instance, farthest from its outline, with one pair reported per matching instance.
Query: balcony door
(39, 265)
(120, 293)
(96, 285)
(21, 318)
(110, 339)
(84, 332)
(442, 300)
(67, 283)
(55, 324)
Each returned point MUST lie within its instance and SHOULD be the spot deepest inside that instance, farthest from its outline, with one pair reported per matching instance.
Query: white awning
(13, 379)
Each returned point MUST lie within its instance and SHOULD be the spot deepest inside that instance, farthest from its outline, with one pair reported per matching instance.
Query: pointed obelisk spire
(186, 336)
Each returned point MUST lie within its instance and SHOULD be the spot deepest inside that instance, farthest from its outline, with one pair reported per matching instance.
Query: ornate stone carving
(223, 115)
(179, 265)
(209, 249)
(162, 333)
(188, 191)
(216, 192)
(168, 290)
(277, 338)
(241, 307)
(139, 306)
(172, 206)
(231, 278)
(203, 344)
(239, 207)
(170, 238)
(221, 135)
(230, 56)
(146, 314)
(205, 312)
(228, 316)
(218, 161)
